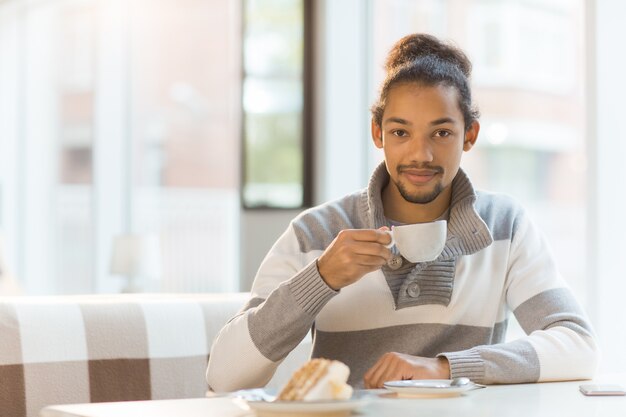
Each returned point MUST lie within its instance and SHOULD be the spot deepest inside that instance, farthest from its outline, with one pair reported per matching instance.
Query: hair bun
(418, 45)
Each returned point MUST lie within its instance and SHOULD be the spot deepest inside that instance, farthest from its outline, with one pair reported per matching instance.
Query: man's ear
(377, 135)
(471, 135)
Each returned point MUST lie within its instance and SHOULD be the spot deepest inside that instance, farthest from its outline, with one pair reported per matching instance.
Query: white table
(525, 400)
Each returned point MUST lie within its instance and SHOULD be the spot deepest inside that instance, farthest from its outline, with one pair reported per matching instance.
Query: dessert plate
(263, 404)
(429, 387)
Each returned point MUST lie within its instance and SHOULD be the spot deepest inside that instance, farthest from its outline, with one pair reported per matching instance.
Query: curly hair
(424, 59)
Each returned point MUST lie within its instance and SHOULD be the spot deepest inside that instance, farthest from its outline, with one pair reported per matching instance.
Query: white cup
(419, 242)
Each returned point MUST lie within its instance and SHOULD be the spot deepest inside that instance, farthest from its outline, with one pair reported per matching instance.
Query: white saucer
(263, 404)
(428, 387)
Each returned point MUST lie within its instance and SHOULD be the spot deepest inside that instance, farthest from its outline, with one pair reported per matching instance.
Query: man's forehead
(408, 104)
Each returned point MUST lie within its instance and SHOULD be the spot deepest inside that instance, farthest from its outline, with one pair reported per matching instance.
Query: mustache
(435, 168)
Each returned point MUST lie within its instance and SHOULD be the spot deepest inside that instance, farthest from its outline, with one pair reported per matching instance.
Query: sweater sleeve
(559, 342)
(287, 294)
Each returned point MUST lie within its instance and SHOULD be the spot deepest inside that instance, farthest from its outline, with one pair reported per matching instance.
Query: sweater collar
(467, 232)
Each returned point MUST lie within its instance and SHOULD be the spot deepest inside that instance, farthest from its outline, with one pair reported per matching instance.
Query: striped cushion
(77, 349)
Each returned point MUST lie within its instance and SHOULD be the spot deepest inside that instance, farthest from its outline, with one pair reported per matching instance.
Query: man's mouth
(419, 176)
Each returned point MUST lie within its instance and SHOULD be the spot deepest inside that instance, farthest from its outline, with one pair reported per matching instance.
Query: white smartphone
(602, 389)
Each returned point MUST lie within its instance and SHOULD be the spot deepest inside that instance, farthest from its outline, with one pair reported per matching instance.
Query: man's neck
(400, 210)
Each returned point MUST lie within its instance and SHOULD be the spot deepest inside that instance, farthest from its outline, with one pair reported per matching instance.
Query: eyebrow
(441, 121)
(436, 122)
(398, 120)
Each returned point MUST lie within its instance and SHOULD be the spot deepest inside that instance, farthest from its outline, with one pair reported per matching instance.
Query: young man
(388, 318)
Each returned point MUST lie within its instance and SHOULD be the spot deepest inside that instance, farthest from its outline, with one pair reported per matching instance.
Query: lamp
(136, 257)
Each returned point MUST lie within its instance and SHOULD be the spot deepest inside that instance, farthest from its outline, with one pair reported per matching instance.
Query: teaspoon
(459, 382)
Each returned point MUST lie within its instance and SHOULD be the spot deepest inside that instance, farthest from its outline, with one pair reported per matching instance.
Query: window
(275, 103)
(184, 145)
(48, 142)
(120, 118)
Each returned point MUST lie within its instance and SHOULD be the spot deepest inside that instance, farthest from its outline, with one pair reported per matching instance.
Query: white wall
(607, 150)
(259, 230)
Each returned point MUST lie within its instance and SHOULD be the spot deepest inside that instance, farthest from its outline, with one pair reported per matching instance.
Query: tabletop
(536, 400)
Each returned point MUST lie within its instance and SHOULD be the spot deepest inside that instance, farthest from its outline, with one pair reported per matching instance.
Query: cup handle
(393, 241)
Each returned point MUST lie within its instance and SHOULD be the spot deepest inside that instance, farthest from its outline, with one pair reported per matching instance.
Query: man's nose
(421, 150)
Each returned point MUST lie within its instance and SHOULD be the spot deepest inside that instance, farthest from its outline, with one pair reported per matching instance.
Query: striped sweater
(495, 263)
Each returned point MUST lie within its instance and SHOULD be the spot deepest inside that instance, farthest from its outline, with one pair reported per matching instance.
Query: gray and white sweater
(495, 262)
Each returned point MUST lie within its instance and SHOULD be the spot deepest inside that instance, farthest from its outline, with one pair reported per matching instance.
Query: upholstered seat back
(77, 349)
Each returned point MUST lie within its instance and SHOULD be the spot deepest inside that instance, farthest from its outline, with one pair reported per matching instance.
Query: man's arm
(559, 345)
(287, 295)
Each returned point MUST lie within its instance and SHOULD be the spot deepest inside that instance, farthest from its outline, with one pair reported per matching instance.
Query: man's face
(423, 137)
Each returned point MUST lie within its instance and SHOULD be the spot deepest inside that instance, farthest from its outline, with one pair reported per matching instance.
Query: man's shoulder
(501, 212)
(490, 200)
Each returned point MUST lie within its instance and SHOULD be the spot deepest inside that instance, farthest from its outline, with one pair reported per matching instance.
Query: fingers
(368, 235)
(350, 251)
(371, 249)
(373, 376)
(395, 366)
(365, 242)
(339, 270)
(365, 235)
(351, 255)
(388, 368)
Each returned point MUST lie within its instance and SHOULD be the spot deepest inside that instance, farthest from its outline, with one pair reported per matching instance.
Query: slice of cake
(318, 379)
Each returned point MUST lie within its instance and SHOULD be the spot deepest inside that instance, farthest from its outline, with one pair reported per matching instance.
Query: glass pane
(273, 129)
(265, 96)
(185, 141)
(273, 161)
(57, 247)
(76, 94)
(528, 83)
(274, 39)
(76, 97)
(273, 104)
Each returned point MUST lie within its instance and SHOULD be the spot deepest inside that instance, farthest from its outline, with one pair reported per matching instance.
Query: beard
(424, 197)
(419, 198)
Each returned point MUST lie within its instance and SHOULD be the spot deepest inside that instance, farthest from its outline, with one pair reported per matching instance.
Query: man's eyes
(442, 133)
(400, 133)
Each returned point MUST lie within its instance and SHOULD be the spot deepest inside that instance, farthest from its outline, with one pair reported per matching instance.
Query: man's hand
(395, 366)
(353, 254)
